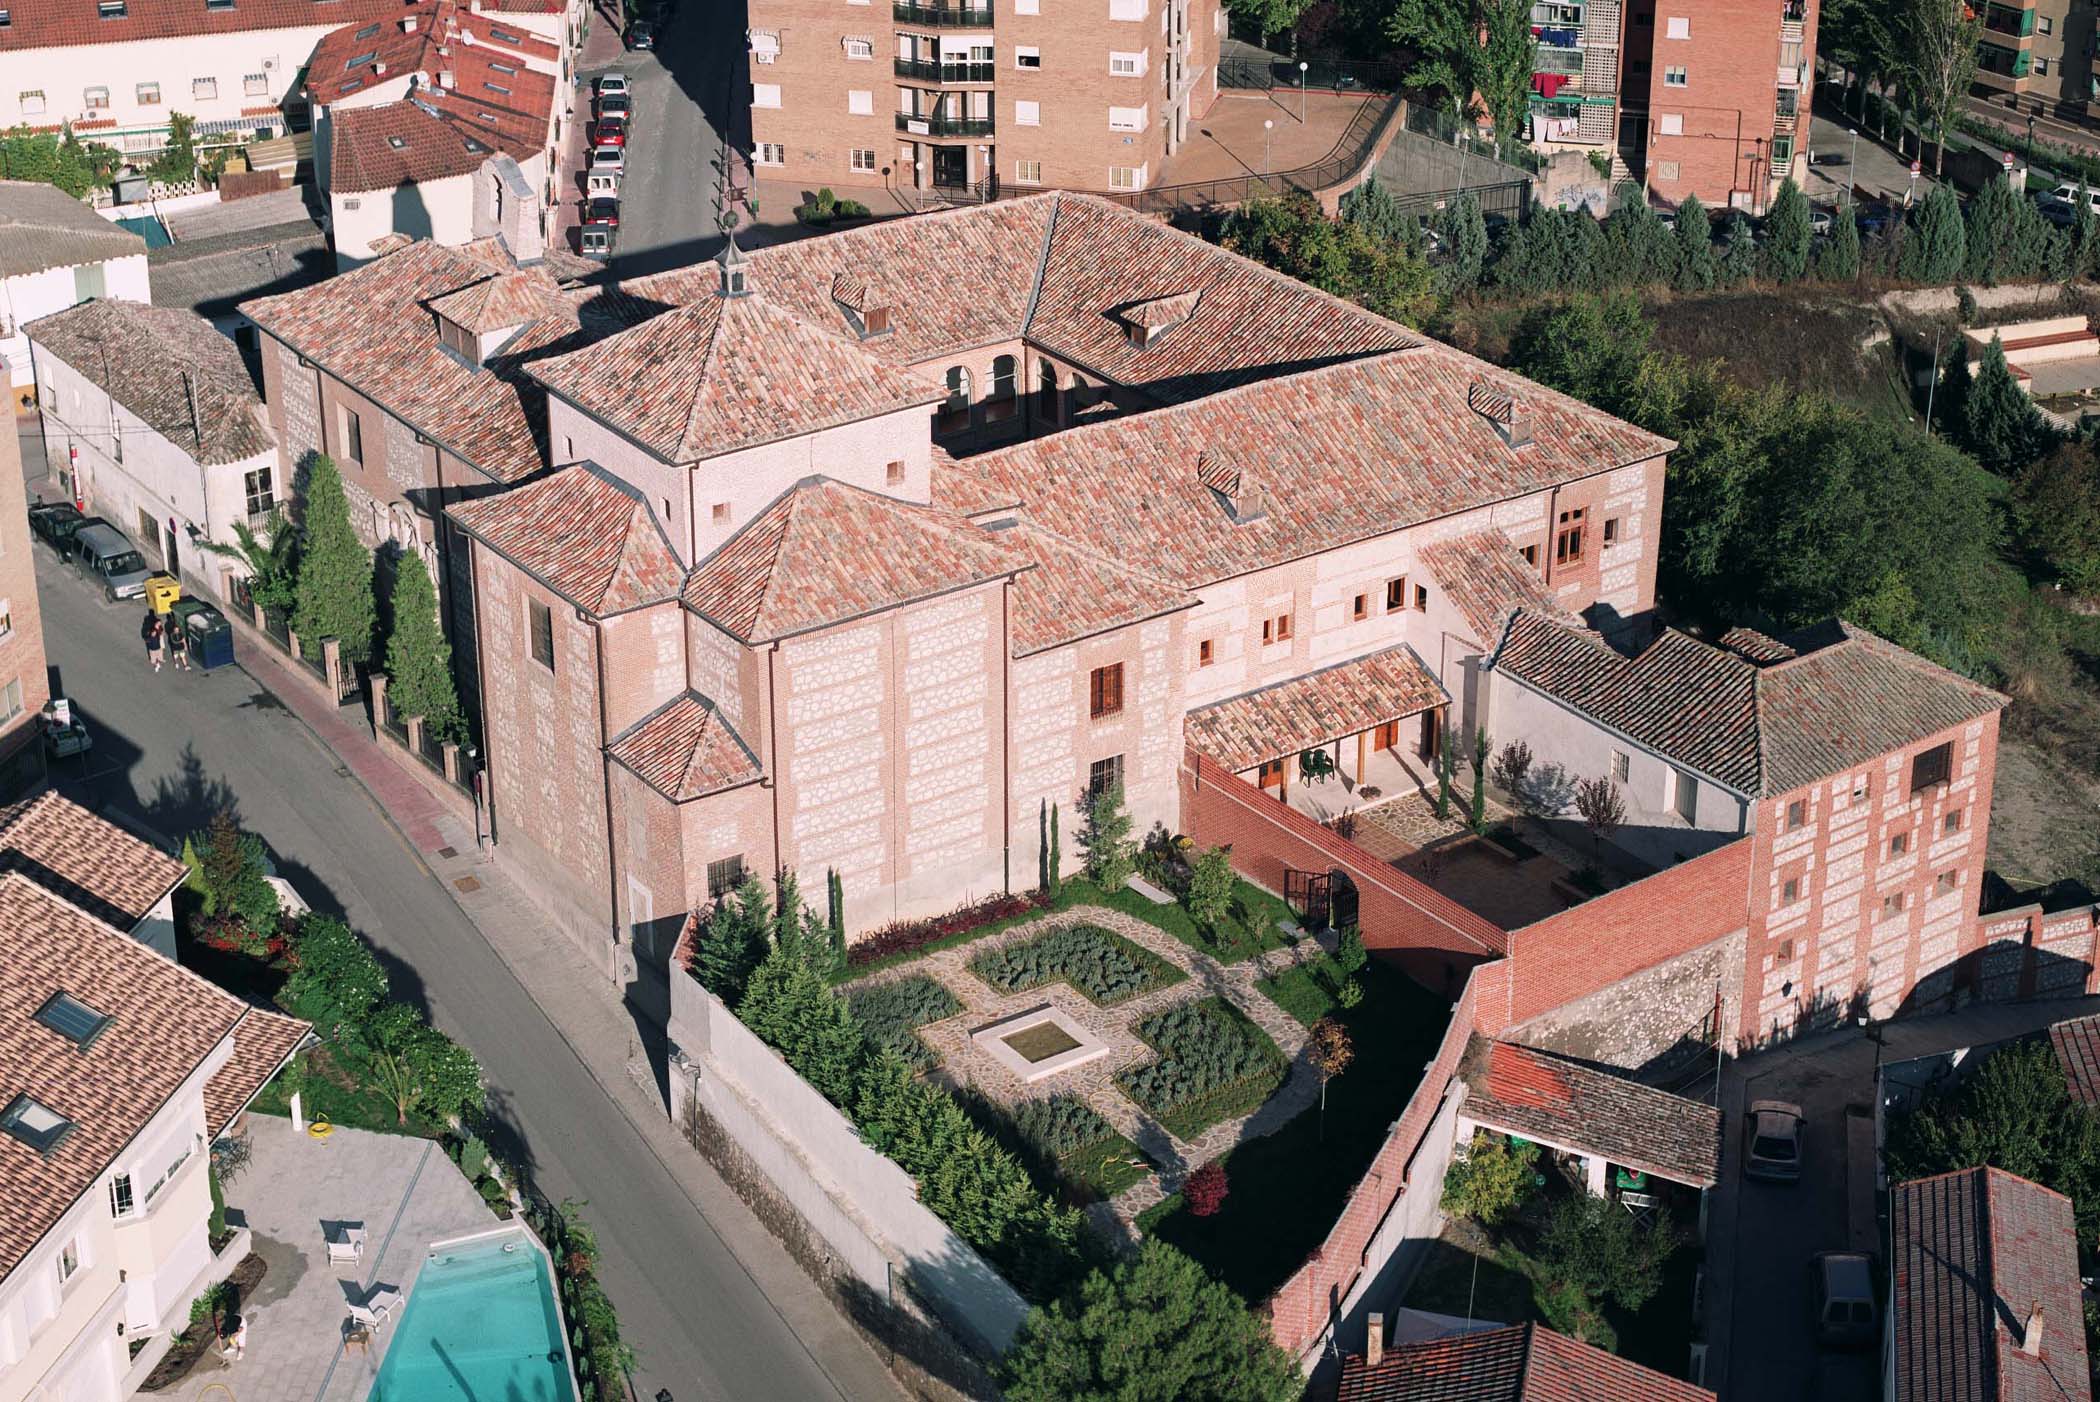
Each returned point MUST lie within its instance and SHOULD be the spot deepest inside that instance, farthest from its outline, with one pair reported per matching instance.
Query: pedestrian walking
(154, 636)
(178, 644)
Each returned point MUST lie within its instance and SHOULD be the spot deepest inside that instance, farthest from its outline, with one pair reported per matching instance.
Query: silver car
(1772, 1141)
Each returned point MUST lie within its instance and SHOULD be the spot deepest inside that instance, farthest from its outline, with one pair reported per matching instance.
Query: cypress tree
(1695, 246)
(1936, 247)
(1042, 847)
(1999, 423)
(1480, 766)
(1738, 255)
(334, 597)
(2082, 235)
(1838, 261)
(418, 659)
(1788, 235)
(1057, 873)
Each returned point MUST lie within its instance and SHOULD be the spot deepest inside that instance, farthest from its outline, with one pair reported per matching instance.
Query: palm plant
(271, 559)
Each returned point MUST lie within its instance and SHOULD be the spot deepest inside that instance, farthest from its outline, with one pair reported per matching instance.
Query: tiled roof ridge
(715, 718)
(1988, 1171)
(1870, 641)
(1066, 543)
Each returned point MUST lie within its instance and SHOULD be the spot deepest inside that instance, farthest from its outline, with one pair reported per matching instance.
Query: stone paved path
(962, 1064)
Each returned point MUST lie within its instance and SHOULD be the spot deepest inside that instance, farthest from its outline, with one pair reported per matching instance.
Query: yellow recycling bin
(162, 591)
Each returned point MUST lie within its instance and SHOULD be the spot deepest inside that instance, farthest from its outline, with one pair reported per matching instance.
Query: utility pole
(1302, 65)
(1852, 169)
(1933, 387)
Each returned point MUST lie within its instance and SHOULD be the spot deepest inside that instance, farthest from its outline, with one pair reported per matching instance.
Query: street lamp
(1303, 65)
(1267, 126)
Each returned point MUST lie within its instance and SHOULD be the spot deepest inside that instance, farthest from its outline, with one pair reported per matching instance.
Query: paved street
(170, 748)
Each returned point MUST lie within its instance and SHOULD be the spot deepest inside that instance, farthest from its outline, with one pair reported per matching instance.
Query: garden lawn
(1287, 1189)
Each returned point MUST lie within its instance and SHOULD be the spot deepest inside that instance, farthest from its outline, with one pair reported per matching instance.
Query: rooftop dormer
(867, 307)
(1500, 404)
(1145, 322)
(1243, 498)
(475, 321)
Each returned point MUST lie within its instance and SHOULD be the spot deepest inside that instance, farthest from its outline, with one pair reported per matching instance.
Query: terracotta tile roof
(448, 38)
(1487, 578)
(582, 532)
(170, 367)
(428, 137)
(725, 373)
(41, 226)
(1755, 646)
(1841, 698)
(1314, 709)
(505, 300)
(262, 1042)
(1072, 593)
(164, 1022)
(686, 749)
(1975, 1251)
(1346, 452)
(2077, 1043)
(372, 328)
(825, 552)
(1519, 1363)
(1522, 1090)
(87, 861)
(53, 23)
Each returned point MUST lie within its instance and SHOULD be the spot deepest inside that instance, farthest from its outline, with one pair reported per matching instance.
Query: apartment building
(1716, 97)
(2041, 51)
(995, 95)
(118, 1068)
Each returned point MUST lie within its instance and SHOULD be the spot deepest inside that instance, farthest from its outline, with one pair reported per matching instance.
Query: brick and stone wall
(1652, 1021)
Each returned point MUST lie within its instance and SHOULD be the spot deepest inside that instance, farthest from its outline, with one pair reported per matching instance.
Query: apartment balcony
(927, 70)
(941, 16)
(913, 125)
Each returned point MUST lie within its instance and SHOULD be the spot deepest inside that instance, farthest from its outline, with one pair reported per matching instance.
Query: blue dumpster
(210, 635)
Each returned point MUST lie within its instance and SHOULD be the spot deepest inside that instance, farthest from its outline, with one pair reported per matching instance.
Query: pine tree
(1738, 255)
(1935, 247)
(334, 597)
(1788, 235)
(1695, 246)
(1988, 232)
(1999, 423)
(733, 940)
(1838, 260)
(1464, 231)
(418, 659)
(1057, 857)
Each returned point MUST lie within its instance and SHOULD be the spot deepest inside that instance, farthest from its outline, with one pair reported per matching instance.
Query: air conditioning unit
(269, 65)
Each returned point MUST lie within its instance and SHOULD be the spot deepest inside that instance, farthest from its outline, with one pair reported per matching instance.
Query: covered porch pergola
(1377, 720)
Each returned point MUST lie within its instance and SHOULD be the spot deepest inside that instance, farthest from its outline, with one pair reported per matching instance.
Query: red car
(602, 209)
(609, 130)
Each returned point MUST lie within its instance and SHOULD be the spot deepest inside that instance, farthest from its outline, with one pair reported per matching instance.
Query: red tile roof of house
(87, 861)
(1487, 578)
(164, 1023)
(1841, 698)
(53, 23)
(1315, 709)
(583, 533)
(448, 38)
(262, 1042)
(1519, 1363)
(373, 329)
(171, 368)
(1522, 1090)
(686, 749)
(1345, 453)
(1975, 1251)
(505, 300)
(1073, 593)
(825, 552)
(2077, 1043)
(726, 373)
(393, 144)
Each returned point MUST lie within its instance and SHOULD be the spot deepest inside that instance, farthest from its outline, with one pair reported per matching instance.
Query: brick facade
(1720, 133)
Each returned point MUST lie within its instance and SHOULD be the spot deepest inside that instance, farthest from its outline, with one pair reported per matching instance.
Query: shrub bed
(1067, 1139)
(1101, 964)
(601, 1358)
(892, 1014)
(915, 936)
(1213, 1064)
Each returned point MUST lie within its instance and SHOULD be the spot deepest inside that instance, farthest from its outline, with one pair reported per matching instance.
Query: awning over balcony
(1310, 711)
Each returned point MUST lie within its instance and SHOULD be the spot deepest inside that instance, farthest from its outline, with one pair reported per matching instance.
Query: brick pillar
(450, 750)
(415, 734)
(262, 618)
(332, 664)
(378, 703)
(292, 639)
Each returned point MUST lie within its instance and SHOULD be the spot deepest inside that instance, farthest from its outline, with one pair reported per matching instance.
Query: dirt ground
(2045, 817)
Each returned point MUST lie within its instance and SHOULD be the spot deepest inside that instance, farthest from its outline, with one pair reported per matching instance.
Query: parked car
(602, 209)
(612, 159)
(1772, 1141)
(104, 553)
(1842, 1286)
(1724, 223)
(1829, 158)
(615, 104)
(609, 83)
(595, 241)
(610, 130)
(2068, 193)
(1821, 221)
(2062, 213)
(55, 521)
(641, 36)
(1874, 216)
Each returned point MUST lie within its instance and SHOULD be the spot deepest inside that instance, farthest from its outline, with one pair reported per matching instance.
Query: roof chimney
(1374, 1339)
(1243, 498)
(446, 79)
(2031, 1341)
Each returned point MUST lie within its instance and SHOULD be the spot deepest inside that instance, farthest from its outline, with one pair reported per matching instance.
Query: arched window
(1000, 402)
(1046, 392)
(954, 414)
(958, 385)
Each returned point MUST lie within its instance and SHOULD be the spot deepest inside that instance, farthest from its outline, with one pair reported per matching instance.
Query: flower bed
(1213, 1064)
(890, 942)
(892, 1014)
(1101, 964)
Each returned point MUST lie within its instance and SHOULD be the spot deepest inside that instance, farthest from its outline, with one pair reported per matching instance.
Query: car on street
(54, 520)
(602, 209)
(63, 530)
(609, 83)
(641, 36)
(610, 160)
(610, 130)
(615, 104)
(2067, 191)
(2062, 213)
(595, 241)
(1772, 1141)
(1841, 1284)
(102, 551)
(1821, 221)
(1874, 216)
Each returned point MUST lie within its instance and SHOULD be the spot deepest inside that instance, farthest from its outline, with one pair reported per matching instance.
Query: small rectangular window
(1027, 114)
(1674, 76)
(68, 1260)
(769, 153)
(1128, 118)
(1951, 823)
(765, 94)
(1796, 814)
(1862, 788)
(1790, 890)
(860, 102)
(1027, 56)
(860, 49)
(256, 84)
(542, 622)
(11, 700)
(724, 876)
(204, 89)
(38, 1126)
(1677, 27)
(893, 473)
(1621, 765)
(1567, 544)
(148, 94)
(259, 488)
(95, 98)
(1126, 65)
(32, 102)
(1124, 177)
(1028, 172)
(111, 9)
(1421, 598)
(121, 1204)
(1932, 767)
(1531, 554)
(861, 160)
(1360, 607)
(1946, 881)
(1396, 594)
(1892, 904)
(1899, 844)
(7, 19)
(1611, 530)
(1105, 691)
(1104, 774)
(1205, 654)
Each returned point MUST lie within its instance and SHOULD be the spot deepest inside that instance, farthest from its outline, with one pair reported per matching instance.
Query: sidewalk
(580, 1003)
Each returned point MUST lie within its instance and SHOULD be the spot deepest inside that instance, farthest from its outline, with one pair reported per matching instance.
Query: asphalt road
(683, 100)
(170, 748)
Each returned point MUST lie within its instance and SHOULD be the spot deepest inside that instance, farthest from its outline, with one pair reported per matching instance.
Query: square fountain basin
(1038, 1044)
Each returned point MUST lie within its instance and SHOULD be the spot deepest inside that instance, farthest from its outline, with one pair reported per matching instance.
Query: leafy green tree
(1695, 247)
(419, 1067)
(1738, 254)
(1444, 37)
(1493, 1179)
(1211, 888)
(1506, 60)
(1936, 246)
(1269, 16)
(177, 161)
(1860, 34)
(1111, 855)
(270, 559)
(1464, 231)
(1350, 956)
(1293, 236)
(1936, 54)
(1838, 259)
(791, 1007)
(733, 940)
(1592, 347)
(334, 594)
(1999, 423)
(2056, 500)
(1788, 236)
(418, 659)
(336, 980)
(1154, 1329)
(230, 875)
(1594, 1245)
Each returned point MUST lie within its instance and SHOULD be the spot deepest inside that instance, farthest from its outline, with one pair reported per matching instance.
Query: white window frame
(1028, 172)
(1133, 64)
(255, 85)
(768, 153)
(1677, 27)
(765, 45)
(32, 102)
(1129, 118)
(765, 95)
(1024, 52)
(70, 1258)
(139, 94)
(1128, 10)
(1621, 765)
(1126, 178)
(1676, 75)
(204, 89)
(1669, 124)
(88, 98)
(1028, 7)
(860, 102)
(1027, 113)
(859, 49)
(861, 160)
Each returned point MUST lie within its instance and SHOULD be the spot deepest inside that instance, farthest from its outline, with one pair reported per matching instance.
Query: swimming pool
(481, 1323)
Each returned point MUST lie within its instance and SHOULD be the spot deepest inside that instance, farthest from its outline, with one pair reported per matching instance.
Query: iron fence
(1424, 120)
(391, 721)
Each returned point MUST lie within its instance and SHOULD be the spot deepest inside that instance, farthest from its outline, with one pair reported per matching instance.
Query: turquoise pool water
(481, 1324)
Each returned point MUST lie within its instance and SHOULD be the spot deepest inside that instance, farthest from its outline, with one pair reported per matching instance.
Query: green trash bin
(209, 635)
